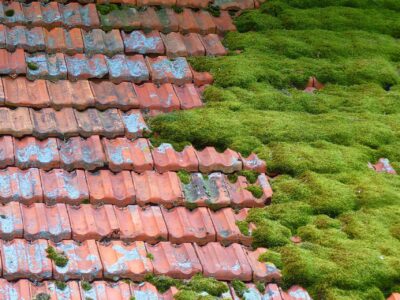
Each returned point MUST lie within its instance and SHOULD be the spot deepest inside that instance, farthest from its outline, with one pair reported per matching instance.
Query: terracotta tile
(241, 197)
(103, 290)
(210, 191)
(160, 97)
(22, 92)
(25, 260)
(266, 272)
(46, 222)
(298, 293)
(76, 15)
(42, 14)
(167, 159)
(29, 39)
(224, 263)
(234, 4)
(224, 23)
(193, 44)
(11, 225)
(93, 222)
(383, 165)
(156, 2)
(188, 96)
(134, 124)
(177, 261)
(6, 151)
(48, 66)
(106, 123)
(127, 68)
(263, 181)
(201, 79)
(33, 153)
(211, 160)
(164, 70)
(83, 261)
(48, 122)
(143, 43)
(124, 154)
(111, 95)
(81, 66)
(60, 186)
(272, 292)
(254, 163)
(394, 296)
(168, 20)
(21, 186)
(162, 189)
(70, 292)
(16, 122)
(98, 41)
(187, 22)
(79, 153)
(127, 19)
(17, 18)
(141, 223)
(124, 260)
(146, 289)
(2, 93)
(189, 226)
(65, 41)
(149, 20)
(205, 22)
(12, 63)
(252, 292)
(107, 187)
(174, 44)
(15, 290)
(64, 93)
(213, 45)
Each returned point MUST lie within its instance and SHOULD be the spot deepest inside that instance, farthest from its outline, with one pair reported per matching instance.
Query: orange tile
(156, 2)
(193, 44)
(33, 153)
(141, 223)
(90, 222)
(162, 97)
(176, 261)
(65, 93)
(149, 20)
(174, 44)
(169, 21)
(254, 163)
(134, 124)
(146, 289)
(49, 66)
(189, 226)
(164, 70)
(187, 22)
(124, 154)
(394, 296)
(130, 68)
(266, 272)
(11, 225)
(124, 260)
(188, 96)
(162, 189)
(204, 22)
(273, 291)
(22, 92)
(16, 122)
(6, 151)
(79, 153)
(193, 3)
(167, 159)
(234, 4)
(46, 222)
(15, 290)
(143, 43)
(103, 290)
(224, 263)
(12, 63)
(81, 66)
(224, 23)
(60, 186)
(83, 261)
(213, 45)
(111, 95)
(297, 293)
(107, 187)
(70, 292)
(211, 160)
(202, 79)
(263, 181)
(241, 197)
(25, 260)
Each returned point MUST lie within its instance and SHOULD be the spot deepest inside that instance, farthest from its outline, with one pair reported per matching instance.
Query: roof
(78, 174)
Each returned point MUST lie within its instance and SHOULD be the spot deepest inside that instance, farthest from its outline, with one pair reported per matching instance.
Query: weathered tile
(46, 66)
(253, 163)
(79, 153)
(98, 41)
(383, 165)
(105, 290)
(167, 19)
(124, 260)
(81, 66)
(33, 153)
(143, 43)
(25, 260)
(69, 292)
(193, 3)
(17, 290)
(234, 4)
(164, 70)
(11, 225)
(6, 151)
(16, 18)
(213, 45)
(193, 44)
(65, 41)
(76, 15)
(127, 68)
(146, 289)
(189, 226)
(46, 222)
(162, 97)
(90, 222)
(83, 261)
(42, 14)
(187, 22)
(111, 95)
(176, 261)
(16, 122)
(266, 272)
(224, 23)
(124, 154)
(60, 186)
(202, 79)
(205, 22)
(298, 293)
(22, 92)
(29, 39)
(134, 124)
(12, 63)
(149, 20)
(64, 93)
(242, 197)
(107, 187)
(211, 160)
(188, 96)
(174, 45)
(141, 224)
(166, 158)
(162, 189)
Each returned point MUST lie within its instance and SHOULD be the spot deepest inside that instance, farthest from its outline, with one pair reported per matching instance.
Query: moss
(239, 287)
(132, 298)
(250, 175)
(255, 190)
(191, 295)
(260, 286)
(162, 283)
(60, 259)
(184, 176)
(85, 201)
(105, 9)
(32, 66)
(61, 285)
(210, 285)
(271, 256)
(86, 286)
(214, 10)
(9, 12)
(177, 9)
(150, 256)
(42, 296)
(243, 227)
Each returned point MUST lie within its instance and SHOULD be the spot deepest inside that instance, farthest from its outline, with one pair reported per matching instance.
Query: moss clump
(32, 66)
(61, 285)
(243, 227)
(250, 175)
(105, 9)
(86, 286)
(162, 283)
(9, 12)
(184, 176)
(42, 296)
(260, 286)
(239, 287)
(150, 256)
(177, 9)
(191, 295)
(255, 190)
(272, 257)
(214, 10)
(210, 285)
(132, 298)
(59, 258)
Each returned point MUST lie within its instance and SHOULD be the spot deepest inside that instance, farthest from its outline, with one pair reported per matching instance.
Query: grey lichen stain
(43, 154)
(133, 123)
(141, 44)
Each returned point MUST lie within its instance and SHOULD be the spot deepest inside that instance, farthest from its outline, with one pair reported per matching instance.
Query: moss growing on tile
(42, 296)
(86, 286)
(255, 190)
(192, 295)
(177, 9)
(60, 259)
(9, 12)
(61, 285)
(243, 227)
(260, 286)
(105, 9)
(239, 287)
(162, 283)
(184, 176)
(150, 256)
(214, 10)
(32, 66)
(210, 285)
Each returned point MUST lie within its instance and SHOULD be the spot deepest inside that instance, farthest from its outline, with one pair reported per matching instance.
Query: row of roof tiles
(68, 122)
(104, 290)
(119, 154)
(110, 43)
(114, 260)
(75, 15)
(102, 94)
(125, 188)
(119, 68)
(150, 224)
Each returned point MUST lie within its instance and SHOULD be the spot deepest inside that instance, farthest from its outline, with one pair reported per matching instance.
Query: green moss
(250, 175)
(255, 190)
(271, 256)
(60, 259)
(260, 286)
(86, 286)
(184, 176)
(9, 12)
(191, 295)
(210, 285)
(239, 287)
(150, 256)
(105, 9)
(61, 285)
(32, 66)
(177, 9)
(243, 227)
(162, 283)
(42, 296)
(214, 10)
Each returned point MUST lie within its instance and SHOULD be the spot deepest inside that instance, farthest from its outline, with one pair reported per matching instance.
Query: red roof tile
(224, 23)
(11, 225)
(21, 92)
(16, 122)
(204, 21)
(234, 4)
(167, 159)
(298, 293)
(193, 3)
(162, 97)
(93, 222)
(76, 15)
(213, 45)
(125, 261)
(224, 263)
(193, 44)
(103, 290)
(176, 261)
(127, 68)
(6, 151)
(15, 290)
(252, 162)
(394, 296)
(141, 223)
(65, 41)
(383, 165)
(149, 20)
(143, 43)
(174, 44)
(21, 259)
(241, 197)
(187, 22)
(189, 226)
(12, 63)
(211, 160)
(46, 66)
(134, 124)
(109, 188)
(29, 39)
(124, 154)
(70, 292)
(110, 95)
(202, 78)
(266, 272)
(188, 96)
(98, 41)
(146, 289)
(163, 70)
(273, 291)
(81, 66)
(162, 189)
